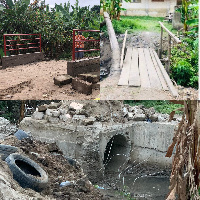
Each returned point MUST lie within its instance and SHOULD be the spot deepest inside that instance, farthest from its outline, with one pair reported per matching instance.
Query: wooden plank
(166, 77)
(134, 76)
(123, 80)
(144, 77)
(153, 76)
(123, 48)
(160, 76)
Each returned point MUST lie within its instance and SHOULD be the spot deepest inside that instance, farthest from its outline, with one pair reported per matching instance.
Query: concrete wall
(83, 66)
(149, 8)
(87, 144)
(21, 59)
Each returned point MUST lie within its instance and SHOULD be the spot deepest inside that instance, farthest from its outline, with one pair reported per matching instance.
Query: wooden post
(161, 40)
(169, 53)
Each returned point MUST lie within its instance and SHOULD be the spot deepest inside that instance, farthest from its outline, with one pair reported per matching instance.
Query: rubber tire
(27, 180)
(6, 150)
(20, 135)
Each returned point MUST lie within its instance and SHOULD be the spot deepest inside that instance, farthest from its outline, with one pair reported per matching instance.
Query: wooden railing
(171, 37)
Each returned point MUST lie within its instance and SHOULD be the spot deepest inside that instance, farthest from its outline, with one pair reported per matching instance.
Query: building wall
(149, 8)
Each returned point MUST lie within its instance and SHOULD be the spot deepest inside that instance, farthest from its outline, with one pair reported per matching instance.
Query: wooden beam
(123, 49)
(170, 33)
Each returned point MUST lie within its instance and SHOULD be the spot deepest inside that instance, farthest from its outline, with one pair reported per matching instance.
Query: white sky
(82, 3)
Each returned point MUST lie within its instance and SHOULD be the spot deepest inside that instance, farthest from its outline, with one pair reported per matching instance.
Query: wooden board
(166, 77)
(160, 76)
(134, 76)
(153, 76)
(123, 80)
(144, 77)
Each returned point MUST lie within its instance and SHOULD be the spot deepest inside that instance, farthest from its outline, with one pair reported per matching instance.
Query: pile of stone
(6, 128)
(95, 112)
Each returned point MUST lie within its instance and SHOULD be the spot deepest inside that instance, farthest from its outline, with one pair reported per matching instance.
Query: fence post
(73, 50)
(161, 40)
(4, 37)
(169, 53)
(40, 44)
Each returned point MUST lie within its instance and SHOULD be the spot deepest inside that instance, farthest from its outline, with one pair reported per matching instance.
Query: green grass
(164, 107)
(136, 24)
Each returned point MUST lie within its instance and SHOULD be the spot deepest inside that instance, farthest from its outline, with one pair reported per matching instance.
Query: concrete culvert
(117, 153)
(26, 172)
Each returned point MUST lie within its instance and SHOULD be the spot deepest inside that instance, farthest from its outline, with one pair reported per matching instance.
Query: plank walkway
(143, 68)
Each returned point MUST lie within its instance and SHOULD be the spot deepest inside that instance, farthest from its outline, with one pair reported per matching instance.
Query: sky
(82, 3)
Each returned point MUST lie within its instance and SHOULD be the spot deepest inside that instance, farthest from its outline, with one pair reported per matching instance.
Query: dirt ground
(50, 158)
(110, 89)
(35, 81)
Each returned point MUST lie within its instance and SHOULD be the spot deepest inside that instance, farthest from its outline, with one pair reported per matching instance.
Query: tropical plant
(55, 25)
(113, 7)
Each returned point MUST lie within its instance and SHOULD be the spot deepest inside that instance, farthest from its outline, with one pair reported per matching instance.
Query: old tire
(26, 172)
(6, 150)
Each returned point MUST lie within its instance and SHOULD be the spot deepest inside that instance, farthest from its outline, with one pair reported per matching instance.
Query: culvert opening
(116, 153)
(26, 168)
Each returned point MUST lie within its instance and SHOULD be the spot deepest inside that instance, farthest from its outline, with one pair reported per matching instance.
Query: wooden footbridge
(143, 68)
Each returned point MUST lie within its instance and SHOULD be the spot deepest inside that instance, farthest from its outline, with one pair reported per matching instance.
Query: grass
(136, 24)
(164, 107)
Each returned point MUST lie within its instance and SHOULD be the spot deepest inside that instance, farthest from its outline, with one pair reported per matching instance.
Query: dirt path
(109, 87)
(35, 81)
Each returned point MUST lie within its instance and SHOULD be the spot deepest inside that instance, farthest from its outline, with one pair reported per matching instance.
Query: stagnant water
(132, 181)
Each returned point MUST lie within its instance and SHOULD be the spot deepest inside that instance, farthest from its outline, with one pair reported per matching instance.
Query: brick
(21, 59)
(62, 80)
(82, 86)
(83, 66)
(90, 77)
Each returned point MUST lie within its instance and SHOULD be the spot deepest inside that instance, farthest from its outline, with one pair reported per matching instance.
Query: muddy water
(142, 182)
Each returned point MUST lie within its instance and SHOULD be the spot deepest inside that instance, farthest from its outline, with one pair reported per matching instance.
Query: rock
(55, 113)
(84, 185)
(52, 147)
(82, 112)
(130, 115)
(78, 118)
(139, 117)
(6, 128)
(149, 111)
(42, 108)
(88, 121)
(48, 112)
(52, 119)
(54, 105)
(154, 117)
(125, 111)
(65, 117)
(62, 79)
(75, 106)
(163, 117)
(136, 110)
(52, 112)
(38, 115)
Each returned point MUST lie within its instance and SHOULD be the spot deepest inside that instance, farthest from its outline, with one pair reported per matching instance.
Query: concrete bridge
(95, 145)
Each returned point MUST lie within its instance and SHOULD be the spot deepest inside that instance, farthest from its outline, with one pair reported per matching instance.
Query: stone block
(139, 117)
(21, 59)
(42, 108)
(82, 86)
(89, 77)
(63, 79)
(38, 115)
(83, 66)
